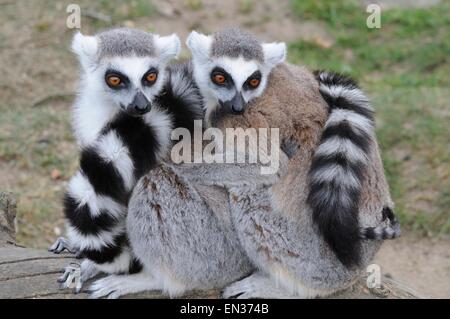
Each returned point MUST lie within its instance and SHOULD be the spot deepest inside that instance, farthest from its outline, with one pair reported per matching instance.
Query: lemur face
(127, 68)
(232, 67)
(234, 82)
(131, 83)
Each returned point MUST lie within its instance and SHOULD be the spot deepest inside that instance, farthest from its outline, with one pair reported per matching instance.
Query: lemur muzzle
(140, 105)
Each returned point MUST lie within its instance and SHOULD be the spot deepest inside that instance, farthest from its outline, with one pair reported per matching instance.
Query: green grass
(34, 142)
(412, 47)
(120, 10)
(20, 140)
(413, 133)
(405, 68)
(194, 5)
(246, 6)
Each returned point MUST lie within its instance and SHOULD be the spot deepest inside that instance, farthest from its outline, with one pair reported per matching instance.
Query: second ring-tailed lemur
(180, 228)
(339, 164)
(315, 242)
(129, 101)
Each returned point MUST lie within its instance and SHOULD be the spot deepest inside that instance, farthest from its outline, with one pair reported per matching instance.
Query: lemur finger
(55, 246)
(114, 295)
(97, 291)
(78, 286)
(59, 249)
(68, 281)
(99, 294)
(60, 245)
(235, 290)
(64, 276)
(71, 274)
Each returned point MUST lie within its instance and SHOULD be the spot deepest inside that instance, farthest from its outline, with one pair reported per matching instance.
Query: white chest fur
(90, 115)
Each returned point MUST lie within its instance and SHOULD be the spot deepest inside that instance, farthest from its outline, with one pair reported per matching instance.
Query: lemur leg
(257, 285)
(182, 236)
(89, 270)
(115, 286)
(286, 248)
(62, 244)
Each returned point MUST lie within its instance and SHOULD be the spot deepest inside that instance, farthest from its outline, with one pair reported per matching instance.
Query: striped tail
(339, 165)
(391, 231)
(182, 97)
(95, 204)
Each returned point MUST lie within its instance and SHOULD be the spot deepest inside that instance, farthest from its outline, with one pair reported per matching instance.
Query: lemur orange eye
(113, 80)
(254, 83)
(219, 79)
(151, 77)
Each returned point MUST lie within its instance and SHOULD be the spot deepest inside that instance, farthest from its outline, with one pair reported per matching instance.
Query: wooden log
(8, 209)
(32, 273)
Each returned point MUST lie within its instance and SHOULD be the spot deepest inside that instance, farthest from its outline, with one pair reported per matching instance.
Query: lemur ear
(274, 53)
(167, 47)
(86, 47)
(199, 45)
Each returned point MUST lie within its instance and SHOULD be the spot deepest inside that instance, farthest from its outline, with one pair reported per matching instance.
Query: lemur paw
(71, 277)
(239, 290)
(60, 245)
(255, 286)
(106, 287)
(75, 275)
(115, 286)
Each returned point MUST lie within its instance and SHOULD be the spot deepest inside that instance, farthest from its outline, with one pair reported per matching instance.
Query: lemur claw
(71, 278)
(60, 245)
(63, 278)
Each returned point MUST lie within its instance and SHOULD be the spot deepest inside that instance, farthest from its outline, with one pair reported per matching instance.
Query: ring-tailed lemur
(343, 179)
(180, 225)
(339, 164)
(129, 101)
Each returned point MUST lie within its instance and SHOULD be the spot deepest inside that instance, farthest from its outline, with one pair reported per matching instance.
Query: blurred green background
(404, 67)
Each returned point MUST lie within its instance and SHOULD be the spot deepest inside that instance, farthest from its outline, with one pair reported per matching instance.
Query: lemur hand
(62, 244)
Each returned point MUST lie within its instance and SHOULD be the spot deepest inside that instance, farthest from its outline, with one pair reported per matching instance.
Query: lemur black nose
(142, 109)
(237, 104)
(140, 104)
(237, 109)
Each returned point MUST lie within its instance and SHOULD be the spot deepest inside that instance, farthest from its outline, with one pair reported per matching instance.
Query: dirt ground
(421, 263)
(38, 83)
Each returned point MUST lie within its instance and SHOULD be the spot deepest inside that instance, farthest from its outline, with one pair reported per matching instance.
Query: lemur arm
(233, 174)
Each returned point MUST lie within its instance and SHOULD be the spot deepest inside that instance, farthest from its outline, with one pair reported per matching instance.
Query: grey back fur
(236, 42)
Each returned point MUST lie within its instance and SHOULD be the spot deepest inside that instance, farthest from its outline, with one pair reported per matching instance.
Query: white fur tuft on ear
(167, 47)
(274, 53)
(199, 45)
(86, 47)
